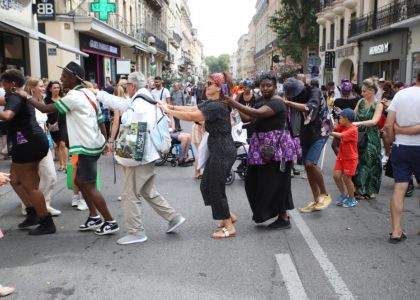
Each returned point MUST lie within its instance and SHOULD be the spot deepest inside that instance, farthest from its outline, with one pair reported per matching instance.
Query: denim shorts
(405, 162)
(87, 168)
(313, 152)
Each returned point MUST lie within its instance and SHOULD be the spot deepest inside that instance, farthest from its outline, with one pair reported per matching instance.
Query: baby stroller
(242, 167)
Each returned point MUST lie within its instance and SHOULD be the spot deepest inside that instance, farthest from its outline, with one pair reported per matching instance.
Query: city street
(338, 253)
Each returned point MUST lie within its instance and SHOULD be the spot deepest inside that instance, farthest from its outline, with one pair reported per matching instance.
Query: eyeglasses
(209, 83)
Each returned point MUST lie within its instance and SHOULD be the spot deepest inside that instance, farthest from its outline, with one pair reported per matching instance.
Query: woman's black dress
(267, 188)
(222, 155)
(30, 143)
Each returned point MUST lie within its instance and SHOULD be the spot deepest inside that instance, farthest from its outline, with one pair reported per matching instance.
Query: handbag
(203, 151)
(267, 153)
(70, 178)
(131, 141)
(361, 141)
(389, 171)
(53, 127)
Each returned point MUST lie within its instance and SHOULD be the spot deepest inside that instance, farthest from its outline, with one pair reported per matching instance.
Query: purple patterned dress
(268, 185)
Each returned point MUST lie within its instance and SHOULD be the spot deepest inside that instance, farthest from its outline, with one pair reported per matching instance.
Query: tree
(218, 64)
(296, 28)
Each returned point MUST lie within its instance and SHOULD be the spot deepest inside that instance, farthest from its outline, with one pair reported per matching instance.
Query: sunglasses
(209, 83)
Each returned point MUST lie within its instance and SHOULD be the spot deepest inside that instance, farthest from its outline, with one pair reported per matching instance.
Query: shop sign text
(379, 49)
(104, 47)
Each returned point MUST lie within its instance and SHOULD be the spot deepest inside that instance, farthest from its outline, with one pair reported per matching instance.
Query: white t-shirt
(159, 95)
(42, 119)
(406, 105)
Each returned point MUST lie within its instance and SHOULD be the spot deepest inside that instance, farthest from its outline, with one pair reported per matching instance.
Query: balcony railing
(322, 48)
(116, 21)
(159, 44)
(385, 16)
(324, 3)
(330, 46)
(339, 42)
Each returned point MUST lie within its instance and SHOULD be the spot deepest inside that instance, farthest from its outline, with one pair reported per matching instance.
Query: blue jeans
(313, 152)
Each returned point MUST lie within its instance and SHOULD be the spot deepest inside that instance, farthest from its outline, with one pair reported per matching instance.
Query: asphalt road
(337, 253)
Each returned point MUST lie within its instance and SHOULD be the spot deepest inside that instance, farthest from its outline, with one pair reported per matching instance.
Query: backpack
(159, 133)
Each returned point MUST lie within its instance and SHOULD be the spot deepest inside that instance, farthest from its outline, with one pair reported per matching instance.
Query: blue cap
(349, 114)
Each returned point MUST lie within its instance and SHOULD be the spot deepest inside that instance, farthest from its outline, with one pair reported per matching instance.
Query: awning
(34, 34)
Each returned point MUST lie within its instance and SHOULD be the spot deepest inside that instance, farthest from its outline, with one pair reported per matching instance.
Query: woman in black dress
(30, 145)
(222, 151)
(57, 125)
(271, 154)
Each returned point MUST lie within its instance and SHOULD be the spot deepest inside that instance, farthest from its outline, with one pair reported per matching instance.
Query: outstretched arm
(262, 112)
(191, 116)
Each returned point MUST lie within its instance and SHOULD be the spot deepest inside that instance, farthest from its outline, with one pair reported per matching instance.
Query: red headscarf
(218, 78)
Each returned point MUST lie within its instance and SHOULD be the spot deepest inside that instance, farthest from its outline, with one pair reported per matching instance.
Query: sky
(221, 23)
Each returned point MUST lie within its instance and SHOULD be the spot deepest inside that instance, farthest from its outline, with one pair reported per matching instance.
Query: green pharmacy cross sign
(103, 7)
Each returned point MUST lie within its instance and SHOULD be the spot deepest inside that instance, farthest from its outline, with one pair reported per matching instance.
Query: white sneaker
(132, 238)
(54, 212)
(75, 200)
(82, 205)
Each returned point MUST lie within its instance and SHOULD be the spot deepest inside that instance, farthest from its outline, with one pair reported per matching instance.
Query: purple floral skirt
(281, 140)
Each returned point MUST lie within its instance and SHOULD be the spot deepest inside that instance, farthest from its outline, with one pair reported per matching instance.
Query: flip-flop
(225, 235)
(5, 290)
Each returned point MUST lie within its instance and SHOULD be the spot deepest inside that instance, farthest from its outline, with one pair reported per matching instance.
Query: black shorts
(87, 168)
(3, 128)
(32, 151)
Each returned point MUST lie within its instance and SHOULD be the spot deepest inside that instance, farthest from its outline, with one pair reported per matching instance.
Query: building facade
(372, 38)
(334, 19)
(151, 36)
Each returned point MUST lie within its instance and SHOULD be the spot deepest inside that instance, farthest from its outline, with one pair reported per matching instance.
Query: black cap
(75, 69)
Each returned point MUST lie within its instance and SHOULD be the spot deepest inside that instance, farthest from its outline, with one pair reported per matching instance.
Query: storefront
(100, 66)
(384, 56)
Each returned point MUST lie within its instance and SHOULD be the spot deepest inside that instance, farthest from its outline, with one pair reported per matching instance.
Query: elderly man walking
(402, 127)
(139, 175)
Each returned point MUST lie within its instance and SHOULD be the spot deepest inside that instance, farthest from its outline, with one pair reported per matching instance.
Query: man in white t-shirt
(139, 176)
(161, 93)
(402, 127)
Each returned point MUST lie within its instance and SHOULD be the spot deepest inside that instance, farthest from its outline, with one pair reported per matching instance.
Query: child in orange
(347, 157)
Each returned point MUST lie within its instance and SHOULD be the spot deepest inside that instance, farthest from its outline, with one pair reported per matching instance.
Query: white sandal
(5, 290)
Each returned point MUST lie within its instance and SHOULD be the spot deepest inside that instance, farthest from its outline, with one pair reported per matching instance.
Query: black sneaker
(31, 218)
(107, 228)
(410, 190)
(91, 224)
(280, 224)
(46, 226)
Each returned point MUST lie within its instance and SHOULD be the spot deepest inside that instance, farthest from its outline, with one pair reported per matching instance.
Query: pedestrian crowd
(375, 125)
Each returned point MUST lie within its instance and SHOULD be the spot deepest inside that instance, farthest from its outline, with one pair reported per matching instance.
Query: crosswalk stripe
(330, 271)
(291, 277)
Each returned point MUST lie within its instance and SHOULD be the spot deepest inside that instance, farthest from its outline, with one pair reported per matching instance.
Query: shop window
(13, 46)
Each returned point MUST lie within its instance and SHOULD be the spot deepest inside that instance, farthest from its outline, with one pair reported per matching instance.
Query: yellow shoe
(309, 208)
(324, 201)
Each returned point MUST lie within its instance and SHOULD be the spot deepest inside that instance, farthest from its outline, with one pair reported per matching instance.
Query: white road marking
(330, 271)
(291, 277)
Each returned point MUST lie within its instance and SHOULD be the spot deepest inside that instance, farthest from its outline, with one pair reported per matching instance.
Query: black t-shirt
(54, 117)
(24, 120)
(251, 103)
(276, 122)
